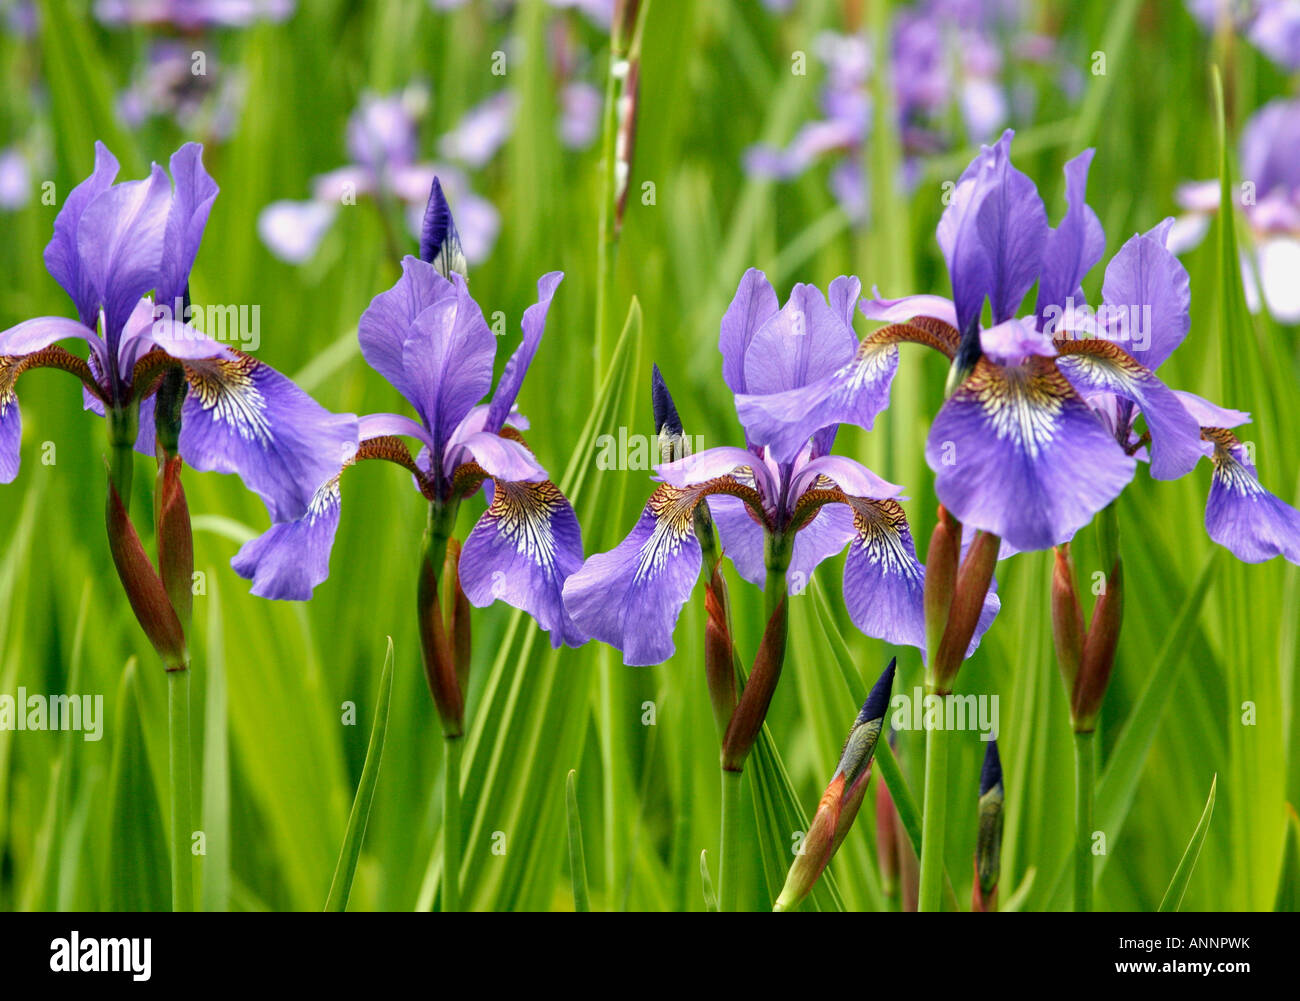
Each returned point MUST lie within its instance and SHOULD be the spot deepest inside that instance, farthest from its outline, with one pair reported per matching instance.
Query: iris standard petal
(523, 549)
(62, 259)
(386, 323)
(193, 193)
(120, 242)
(1148, 299)
(803, 342)
(1240, 514)
(1072, 248)
(1012, 227)
(909, 306)
(1017, 452)
(448, 357)
(534, 324)
(1097, 366)
(291, 558)
(753, 305)
(631, 596)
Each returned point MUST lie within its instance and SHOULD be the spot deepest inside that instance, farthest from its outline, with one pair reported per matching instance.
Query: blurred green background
(82, 824)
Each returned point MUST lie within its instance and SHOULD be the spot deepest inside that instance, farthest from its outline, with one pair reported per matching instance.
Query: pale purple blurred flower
(383, 141)
(481, 131)
(15, 179)
(167, 86)
(190, 14)
(1270, 202)
(1272, 26)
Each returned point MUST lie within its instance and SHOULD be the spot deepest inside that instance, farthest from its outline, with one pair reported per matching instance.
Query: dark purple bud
(439, 241)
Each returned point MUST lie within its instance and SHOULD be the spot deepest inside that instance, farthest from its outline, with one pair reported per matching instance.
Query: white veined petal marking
(1229, 469)
(10, 369)
(1021, 405)
(881, 526)
(522, 513)
(227, 388)
(327, 496)
(673, 508)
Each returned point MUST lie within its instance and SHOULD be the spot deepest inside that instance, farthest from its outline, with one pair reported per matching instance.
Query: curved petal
(523, 549)
(753, 305)
(1095, 366)
(700, 467)
(11, 422)
(741, 536)
(1148, 297)
(502, 458)
(1240, 514)
(192, 198)
(1073, 247)
(383, 425)
(447, 356)
(534, 324)
(386, 323)
(805, 341)
(884, 584)
(291, 558)
(824, 536)
(849, 475)
(242, 416)
(631, 596)
(120, 242)
(1017, 452)
(1211, 415)
(62, 259)
(37, 334)
(909, 306)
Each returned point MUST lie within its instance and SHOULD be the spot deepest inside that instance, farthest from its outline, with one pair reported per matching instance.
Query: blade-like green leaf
(341, 886)
(577, 859)
(1173, 898)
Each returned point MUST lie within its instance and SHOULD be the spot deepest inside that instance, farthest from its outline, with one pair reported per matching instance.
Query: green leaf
(1173, 898)
(577, 859)
(1288, 887)
(710, 898)
(341, 886)
(214, 894)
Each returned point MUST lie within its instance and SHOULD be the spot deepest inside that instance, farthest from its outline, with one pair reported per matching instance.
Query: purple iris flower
(1038, 432)
(950, 61)
(427, 337)
(1272, 26)
(383, 142)
(167, 86)
(1270, 162)
(796, 499)
(112, 244)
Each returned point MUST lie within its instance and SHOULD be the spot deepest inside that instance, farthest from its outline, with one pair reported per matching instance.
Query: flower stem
(729, 857)
(1084, 765)
(934, 816)
(178, 719)
(451, 824)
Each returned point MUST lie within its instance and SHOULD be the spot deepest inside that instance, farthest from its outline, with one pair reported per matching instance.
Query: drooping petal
(631, 596)
(534, 324)
(11, 420)
(1073, 247)
(386, 322)
(1240, 514)
(62, 259)
(523, 549)
(752, 306)
(192, 198)
(884, 584)
(740, 535)
(120, 241)
(1095, 366)
(291, 558)
(37, 334)
(1017, 452)
(1148, 298)
(724, 460)
(242, 416)
(824, 536)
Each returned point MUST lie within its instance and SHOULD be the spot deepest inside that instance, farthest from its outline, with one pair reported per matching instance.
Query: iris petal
(523, 549)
